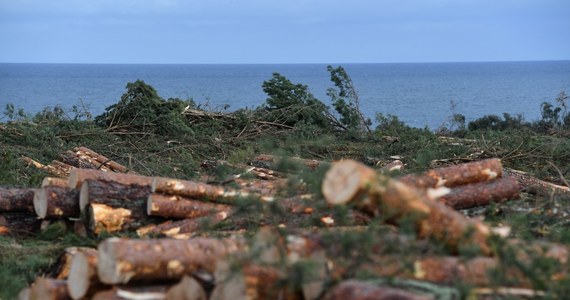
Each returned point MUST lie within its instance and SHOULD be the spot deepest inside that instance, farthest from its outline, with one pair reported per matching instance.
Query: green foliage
(346, 101)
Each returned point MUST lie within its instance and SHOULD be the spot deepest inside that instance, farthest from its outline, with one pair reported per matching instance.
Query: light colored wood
(49, 289)
(55, 181)
(178, 207)
(78, 176)
(16, 200)
(83, 281)
(188, 289)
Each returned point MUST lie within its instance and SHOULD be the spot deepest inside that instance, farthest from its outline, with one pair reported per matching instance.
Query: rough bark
(349, 181)
(78, 160)
(396, 165)
(114, 194)
(479, 171)
(16, 200)
(477, 194)
(534, 185)
(83, 280)
(183, 228)
(102, 218)
(122, 261)
(56, 202)
(59, 169)
(78, 176)
(356, 290)
(55, 181)
(188, 289)
(152, 292)
(178, 207)
(61, 269)
(49, 289)
(19, 223)
(100, 159)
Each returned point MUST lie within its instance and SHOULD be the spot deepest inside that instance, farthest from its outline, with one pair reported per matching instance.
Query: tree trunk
(78, 176)
(479, 171)
(102, 218)
(49, 289)
(83, 280)
(349, 181)
(188, 289)
(357, 290)
(178, 207)
(152, 292)
(16, 200)
(183, 228)
(122, 261)
(78, 160)
(100, 159)
(19, 223)
(270, 161)
(534, 185)
(114, 194)
(59, 169)
(478, 194)
(55, 181)
(61, 269)
(56, 202)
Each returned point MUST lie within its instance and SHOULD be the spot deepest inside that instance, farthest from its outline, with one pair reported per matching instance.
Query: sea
(419, 94)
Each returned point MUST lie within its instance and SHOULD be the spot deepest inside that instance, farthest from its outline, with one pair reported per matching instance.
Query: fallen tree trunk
(183, 228)
(114, 194)
(83, 280)
(534, 185)
(152, 292)
(78, 160)
(349, 181)
(477, 194)
(188, 289)
(19, 223)
(122, 261)
(49, 289)
(178, 207)
(56, 202)
(103, 218)
(78, 176)
(16, 200)
(462, 174)
(100, 159)
(55, 181)
(357, 290)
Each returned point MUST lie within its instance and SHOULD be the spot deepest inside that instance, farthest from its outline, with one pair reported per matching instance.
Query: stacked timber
(17, 215)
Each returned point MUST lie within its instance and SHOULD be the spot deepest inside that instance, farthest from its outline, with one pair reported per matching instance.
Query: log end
(40, 203)
(107, 265)
(79, 279)
(73, 178)
(54, 181)
(83, 196)
(345, 180)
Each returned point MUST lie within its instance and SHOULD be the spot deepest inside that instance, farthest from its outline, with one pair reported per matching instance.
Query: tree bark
(183, 228)
(49, 289)
(178, 207)
(55, 181)
(16, 200)
(357, 290)
(103, 218)
(19, 223)
(114, 194)
(122, 261)
(188, 289)
(83, 280)
(78, 176)
(78, 160)
(349, 181)
(477, 194)
(56, 202)
(534, 185)
(61, 269)
(484, 170)
(100, 159)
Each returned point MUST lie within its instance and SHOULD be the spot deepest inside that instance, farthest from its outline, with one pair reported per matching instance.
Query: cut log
(16, 200)
(479, 171)
(114, 194)
(78, 176)
(357, 290)
(152, 292)
(188, 289)
(102, 218)
(270, 161)
(49, 289)
(100, 159)
(55, 181)
(183, 228)
(81, 161)
(59, 169)
(350, 181)
(534, 185)
(396, 165)
(477, 194)
(179, 207)
(24, 294)
(19, 224)
(122, 261)
(56, 202)
(83, 280)
(61, 269)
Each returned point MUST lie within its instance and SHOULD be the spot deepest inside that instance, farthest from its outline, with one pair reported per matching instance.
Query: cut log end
(80, 275)
(83, 196)
(40, 203)
(344, 181)
(107, 267)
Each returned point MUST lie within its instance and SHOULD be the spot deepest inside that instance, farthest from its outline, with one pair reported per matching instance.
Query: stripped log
(188, 289)
(357, 290)
(78, 176)
(484, 170)
(55, 181)
(180, 207)
(56, 202)
(199, 190)
(114, 194)
(19, 223)
(16, 200)
(100, 159)
(61, 269)
(477, 194)
(103, 218)
(350, 181)
(49, 289)
(122, 261)
(83, 281)
(183, 228)
(152, 292)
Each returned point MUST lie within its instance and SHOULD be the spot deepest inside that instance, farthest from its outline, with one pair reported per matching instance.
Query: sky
(283, 31)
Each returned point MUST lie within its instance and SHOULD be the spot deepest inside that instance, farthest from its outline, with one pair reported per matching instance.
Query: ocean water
(420, 94)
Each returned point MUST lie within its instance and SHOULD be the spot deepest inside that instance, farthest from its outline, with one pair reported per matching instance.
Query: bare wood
(55, 181)
(467, 173)
(56, 202)
(357, 290)
(178, 207)
(14, 200)
(113, 194)
(83, 280)
(477, 194)
(62, 267)
(182, 228)
(101, 159)
(350, 181)
(393, 166)
(76, 159)
(122, 260)
(19, 223)
(78, 176)
(188, 289)
(146, 292)
(49, 289)
(24, 293)
(103, 218)
(59, 169)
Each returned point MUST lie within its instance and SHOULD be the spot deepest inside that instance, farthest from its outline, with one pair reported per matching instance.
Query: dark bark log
(83, 280)
(122, 261)
(100, 159)
(479, 171)
(534, 185)
(56, 202)
(478, 194)
(102, 218)
(19, 224)
(178, 207)
(16, 200)
(356, 290)
(114, 194)
(78, 176)
(49, 289)
(55, 181)
(183, 228)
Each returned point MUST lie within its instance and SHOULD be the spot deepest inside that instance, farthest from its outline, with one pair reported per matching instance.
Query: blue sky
(284, 31)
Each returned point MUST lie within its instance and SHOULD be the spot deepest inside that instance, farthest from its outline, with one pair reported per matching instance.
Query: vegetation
(169, 137)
